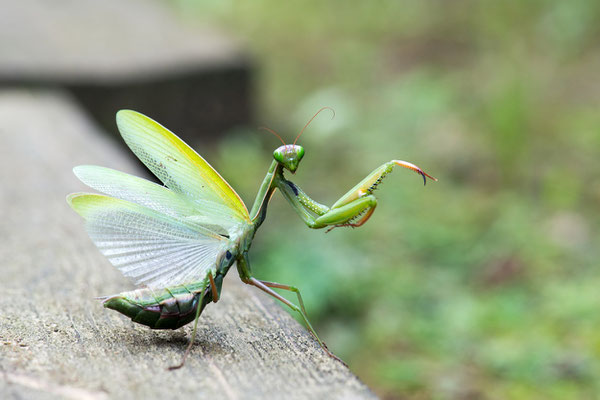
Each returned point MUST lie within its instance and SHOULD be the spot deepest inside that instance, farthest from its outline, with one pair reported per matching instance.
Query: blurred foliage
(483, 285)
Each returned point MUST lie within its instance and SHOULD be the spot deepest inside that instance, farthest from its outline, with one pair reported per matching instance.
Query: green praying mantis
(178, 241)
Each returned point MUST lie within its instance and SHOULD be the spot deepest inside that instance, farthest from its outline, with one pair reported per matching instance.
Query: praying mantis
(178, 241)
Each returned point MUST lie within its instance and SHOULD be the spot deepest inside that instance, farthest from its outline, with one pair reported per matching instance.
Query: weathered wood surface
(56, 341)
(114, 54)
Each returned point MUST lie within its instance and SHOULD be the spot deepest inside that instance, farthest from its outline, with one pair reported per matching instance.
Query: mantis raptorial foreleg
(352, 209)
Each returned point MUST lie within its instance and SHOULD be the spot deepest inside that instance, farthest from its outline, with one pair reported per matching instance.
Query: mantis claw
(413, 167)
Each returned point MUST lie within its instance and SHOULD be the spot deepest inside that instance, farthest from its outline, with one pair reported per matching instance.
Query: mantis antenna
(317, 113)
(273, 132)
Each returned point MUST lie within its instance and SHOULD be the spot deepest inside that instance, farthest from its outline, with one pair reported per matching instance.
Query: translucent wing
(180, 168)
(154, 249)
(156, 197)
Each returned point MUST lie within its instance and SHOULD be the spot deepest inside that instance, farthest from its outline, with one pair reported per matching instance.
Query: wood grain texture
(56, 341)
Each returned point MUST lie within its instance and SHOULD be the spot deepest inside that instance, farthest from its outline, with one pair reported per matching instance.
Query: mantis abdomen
(168, 308)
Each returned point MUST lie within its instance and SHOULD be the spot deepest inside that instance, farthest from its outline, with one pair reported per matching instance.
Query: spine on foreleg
(306, 201)
(169, 308)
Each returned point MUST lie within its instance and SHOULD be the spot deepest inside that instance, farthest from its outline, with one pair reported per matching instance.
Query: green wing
(157, 235)
(151, 248)
(180, 168)
(156, 197)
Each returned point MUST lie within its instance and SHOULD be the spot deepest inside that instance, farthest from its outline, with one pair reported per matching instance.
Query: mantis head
(289, 156)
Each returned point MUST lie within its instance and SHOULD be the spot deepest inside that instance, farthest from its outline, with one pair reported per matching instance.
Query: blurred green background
(484, 284)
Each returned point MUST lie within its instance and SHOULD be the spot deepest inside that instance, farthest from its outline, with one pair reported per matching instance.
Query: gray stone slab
(56, 341)
(114, 54)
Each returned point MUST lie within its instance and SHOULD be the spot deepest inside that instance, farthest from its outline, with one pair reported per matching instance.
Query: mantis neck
(259, 208)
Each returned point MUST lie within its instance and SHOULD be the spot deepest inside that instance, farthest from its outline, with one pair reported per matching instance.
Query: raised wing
(180, 168)
(150, 247)
(156, 197)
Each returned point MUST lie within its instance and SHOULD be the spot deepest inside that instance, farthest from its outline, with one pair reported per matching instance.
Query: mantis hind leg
(266, 287)
(198, 311)
(192, 340)
(291, 289)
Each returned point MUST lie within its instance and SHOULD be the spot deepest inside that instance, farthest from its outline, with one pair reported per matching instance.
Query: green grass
(484, 284)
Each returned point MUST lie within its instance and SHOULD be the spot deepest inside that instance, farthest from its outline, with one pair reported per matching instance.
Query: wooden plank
(56, 341)
(114, 54)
